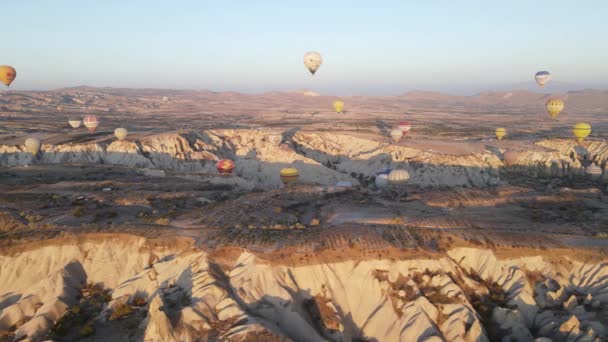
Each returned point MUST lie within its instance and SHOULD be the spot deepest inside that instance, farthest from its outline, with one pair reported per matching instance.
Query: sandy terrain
(143, 240)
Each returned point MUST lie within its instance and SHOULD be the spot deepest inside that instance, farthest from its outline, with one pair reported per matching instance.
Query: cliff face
(181, 294)
(321, 158)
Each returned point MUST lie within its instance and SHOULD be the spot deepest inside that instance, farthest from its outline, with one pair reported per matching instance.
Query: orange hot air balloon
(7, 74)
(225, 166)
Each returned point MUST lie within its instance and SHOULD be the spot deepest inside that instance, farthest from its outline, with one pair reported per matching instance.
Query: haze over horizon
(385, 49)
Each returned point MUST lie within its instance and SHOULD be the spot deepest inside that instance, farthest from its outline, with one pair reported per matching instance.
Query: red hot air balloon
(91, 122)
(225, 166)
(405, 127)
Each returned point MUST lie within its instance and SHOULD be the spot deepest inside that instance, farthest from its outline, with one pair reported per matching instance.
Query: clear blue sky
(369, 47)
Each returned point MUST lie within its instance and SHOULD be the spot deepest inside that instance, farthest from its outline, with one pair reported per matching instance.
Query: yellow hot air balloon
(32, 145)
(121, 133)
(7, 74)
(289, 175)
(338, 106)
(554, 107)
(581, 131)
(500, 133)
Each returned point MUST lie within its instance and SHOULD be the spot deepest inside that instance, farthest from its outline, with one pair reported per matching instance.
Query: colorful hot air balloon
(593, 171)
(312, 61)
(405, 127)
(510, 157)
(32, 145)
(121, 133)
(542, 77)
(581, 131)
(289, 175)
(225, 166)
(396, 134)
(91, 122)
(500, 133)
(7, 74)
(75, 122)
(338, 106)
(554, 107)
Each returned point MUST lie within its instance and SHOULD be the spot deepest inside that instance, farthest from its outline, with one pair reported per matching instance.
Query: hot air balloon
(312, 61)
(398, 177)
(500, 133)
(510, 157)
(554, 107)
(581, 131)
(289, 175)
(75, 122)
(121, 133)
(32, 145)
(225, 166)
(7, 74)
(381, 181)
(405, 127)
(542, 77)
(593, 171)
(396, 134)
(91, 122)
(338, 106)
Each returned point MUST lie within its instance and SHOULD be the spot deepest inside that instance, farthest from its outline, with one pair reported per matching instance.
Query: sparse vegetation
(121, 311)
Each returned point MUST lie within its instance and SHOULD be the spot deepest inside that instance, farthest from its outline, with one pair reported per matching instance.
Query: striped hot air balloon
(593, 171)
(289, 175)
(225, 166)
(91, 122)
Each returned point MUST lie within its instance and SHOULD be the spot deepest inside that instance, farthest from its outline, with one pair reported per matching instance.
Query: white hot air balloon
(396, 134)
(32, 145)
(121, 133)
(312, 61)
(381, 181)
(542, 77)
(75, 122)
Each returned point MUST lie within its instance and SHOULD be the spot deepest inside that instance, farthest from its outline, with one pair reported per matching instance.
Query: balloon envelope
(338, 106)
(75, 122)
(32, 145)
(542, 77)
(581, 131)
(289, 175)
(554, 107)
(381, 181)
(91, 122)
(593, 171)
(312, 61)
(7, 74)
(396, 134)
(500, 133)
(225, 166)
(510, 157)
(405, 127)
(398, 177)
(121, 133)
